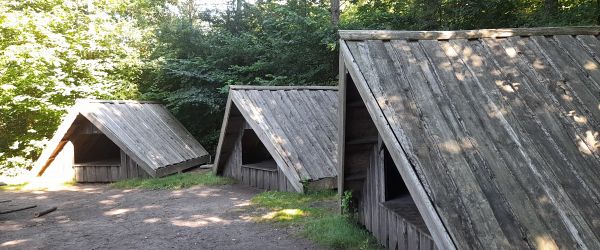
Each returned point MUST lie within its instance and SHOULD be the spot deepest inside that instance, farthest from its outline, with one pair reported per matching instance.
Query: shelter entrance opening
(254, 151)
(91, 147)
(397, 196)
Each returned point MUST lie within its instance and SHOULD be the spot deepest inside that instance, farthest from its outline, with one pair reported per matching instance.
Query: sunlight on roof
(566, 97)
(538, 64)
(448, 49)
(588, 144)
(511, 52)
(577, 118)
(13, 243)
(589, 65)
(453, 146)
(504, 86)
(545, 242)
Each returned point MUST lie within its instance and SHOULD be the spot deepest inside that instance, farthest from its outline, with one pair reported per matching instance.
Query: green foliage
(52, 52)
(467, 14)
(176, 181)
(346, 203)
(283, 200)
(338, 232)
(316, 213)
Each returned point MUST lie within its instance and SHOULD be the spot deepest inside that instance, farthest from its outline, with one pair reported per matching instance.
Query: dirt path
(99, 217)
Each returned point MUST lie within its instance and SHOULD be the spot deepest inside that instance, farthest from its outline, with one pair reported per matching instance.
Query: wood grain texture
(298, 126)
(501, 129)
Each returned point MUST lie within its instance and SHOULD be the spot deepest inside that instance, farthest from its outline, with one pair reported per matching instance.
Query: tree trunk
(551, 7)
(335, 12)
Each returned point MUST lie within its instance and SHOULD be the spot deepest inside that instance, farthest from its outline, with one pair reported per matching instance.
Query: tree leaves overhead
(52, 52)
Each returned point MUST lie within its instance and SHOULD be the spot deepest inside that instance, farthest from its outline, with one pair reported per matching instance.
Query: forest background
(185, 53)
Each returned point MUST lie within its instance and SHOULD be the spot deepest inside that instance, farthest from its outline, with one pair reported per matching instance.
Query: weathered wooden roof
(498, 127)
(146, 131)
(296, 124)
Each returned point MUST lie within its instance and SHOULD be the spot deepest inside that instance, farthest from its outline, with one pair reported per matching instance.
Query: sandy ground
(100, 217)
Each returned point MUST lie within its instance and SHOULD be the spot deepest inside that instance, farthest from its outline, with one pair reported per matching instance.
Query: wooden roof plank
(465, 34)
(570, 76)
(280, 126)
(526, 127)
(111, 117)
(299, 120)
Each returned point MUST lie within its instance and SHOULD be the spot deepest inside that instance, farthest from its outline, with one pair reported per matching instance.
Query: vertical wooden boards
(232, 165)
(388, 227)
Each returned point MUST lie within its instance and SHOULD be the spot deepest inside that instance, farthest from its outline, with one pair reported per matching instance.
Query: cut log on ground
(44, 212)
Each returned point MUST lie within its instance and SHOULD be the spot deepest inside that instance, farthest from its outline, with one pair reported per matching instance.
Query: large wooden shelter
(479, 139)
(105, 141)
(280, 138)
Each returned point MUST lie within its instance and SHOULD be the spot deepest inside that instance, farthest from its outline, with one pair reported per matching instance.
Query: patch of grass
(317, 216)
(14, 187)
(337, 231)
(36, 185)
(176, 181)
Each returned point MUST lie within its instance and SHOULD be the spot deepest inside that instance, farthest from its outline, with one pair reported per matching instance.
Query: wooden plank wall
(389, 228)
(128, 169)
(262, 178)
(232, 166)
(258, 178)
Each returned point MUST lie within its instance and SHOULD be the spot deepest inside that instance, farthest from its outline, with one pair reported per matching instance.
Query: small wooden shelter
(479, 139)
(105, 141)
(280, 138)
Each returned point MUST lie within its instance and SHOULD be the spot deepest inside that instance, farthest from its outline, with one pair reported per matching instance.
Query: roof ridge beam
(465, 34)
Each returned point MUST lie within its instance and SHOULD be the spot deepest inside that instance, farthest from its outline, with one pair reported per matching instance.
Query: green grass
(31, 186)
(14, 187)
(175, 181)
(317, 216)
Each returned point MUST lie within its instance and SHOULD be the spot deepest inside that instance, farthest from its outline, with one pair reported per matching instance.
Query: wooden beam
(364, 140)
(414, 185)
(465, 34)
(341, 125)
(253, 87)
(174, 168)
(223, 134)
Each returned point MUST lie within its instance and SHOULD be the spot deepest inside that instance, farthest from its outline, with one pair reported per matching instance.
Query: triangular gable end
(365, 169)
